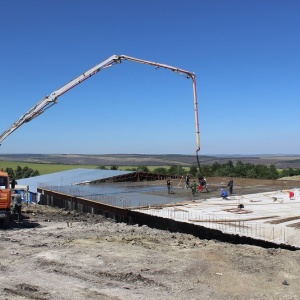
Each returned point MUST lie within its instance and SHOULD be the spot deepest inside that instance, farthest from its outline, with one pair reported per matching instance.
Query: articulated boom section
(50, 100)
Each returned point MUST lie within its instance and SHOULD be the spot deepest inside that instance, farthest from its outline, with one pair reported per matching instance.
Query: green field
(52, 168)
(43, 168)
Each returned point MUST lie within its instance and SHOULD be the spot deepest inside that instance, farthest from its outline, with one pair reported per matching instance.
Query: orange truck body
(5, 197)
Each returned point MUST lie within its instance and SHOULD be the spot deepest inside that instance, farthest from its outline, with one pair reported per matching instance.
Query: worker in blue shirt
(224, 194)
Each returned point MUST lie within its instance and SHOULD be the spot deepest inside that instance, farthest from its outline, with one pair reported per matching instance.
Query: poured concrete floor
(271, 212)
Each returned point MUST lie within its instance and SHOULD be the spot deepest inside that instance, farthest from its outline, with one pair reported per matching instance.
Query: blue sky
(246, 56)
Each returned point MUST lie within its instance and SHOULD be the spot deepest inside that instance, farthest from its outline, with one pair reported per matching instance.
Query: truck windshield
(3, 182)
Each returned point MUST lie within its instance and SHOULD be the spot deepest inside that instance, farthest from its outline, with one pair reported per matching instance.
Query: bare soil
(55, 254)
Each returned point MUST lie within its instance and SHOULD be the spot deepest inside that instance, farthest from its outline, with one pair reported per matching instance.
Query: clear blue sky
(246, 56)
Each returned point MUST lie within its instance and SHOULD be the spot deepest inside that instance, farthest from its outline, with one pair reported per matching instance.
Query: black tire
(4, 223)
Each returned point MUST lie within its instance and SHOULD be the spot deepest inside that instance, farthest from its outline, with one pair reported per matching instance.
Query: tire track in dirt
(29, 291)
(98, 277)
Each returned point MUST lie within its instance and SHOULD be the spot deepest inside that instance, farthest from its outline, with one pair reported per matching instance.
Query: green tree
(176, 170)
(250, 173)
(273, 173)
(226, 169)
(10, 173)
(240, 170)
(262, 171)
(160, 170)
(216, 169)
(291, 172)
(114, 167)
(193, 171)
(206, 170)
(102, 167)
(18, 172)
(143, 169)
(131, 169)
(27, 172)
(35, 173)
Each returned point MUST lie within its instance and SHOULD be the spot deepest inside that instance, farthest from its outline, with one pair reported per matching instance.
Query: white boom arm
(50, 100)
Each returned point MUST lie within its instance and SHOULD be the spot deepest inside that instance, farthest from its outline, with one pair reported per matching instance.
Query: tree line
(20, 172)
(247, 170)
(240, 169)
(228, 169)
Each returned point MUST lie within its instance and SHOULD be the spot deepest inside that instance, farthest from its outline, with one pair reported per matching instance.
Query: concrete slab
(271, 216)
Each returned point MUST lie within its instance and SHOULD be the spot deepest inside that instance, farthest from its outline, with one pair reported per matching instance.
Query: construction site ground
(55, 254)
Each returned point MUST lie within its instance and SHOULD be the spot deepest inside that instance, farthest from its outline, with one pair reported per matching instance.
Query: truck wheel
(4, 223)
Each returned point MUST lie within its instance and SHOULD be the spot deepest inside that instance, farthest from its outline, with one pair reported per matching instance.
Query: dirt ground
(55, 254)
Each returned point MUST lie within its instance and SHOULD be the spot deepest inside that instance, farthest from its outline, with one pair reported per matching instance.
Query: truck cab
(5, 198)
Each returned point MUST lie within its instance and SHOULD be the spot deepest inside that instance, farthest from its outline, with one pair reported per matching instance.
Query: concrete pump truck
(52, 99)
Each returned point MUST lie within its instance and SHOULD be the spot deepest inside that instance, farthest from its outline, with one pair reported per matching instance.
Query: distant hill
(280, 161)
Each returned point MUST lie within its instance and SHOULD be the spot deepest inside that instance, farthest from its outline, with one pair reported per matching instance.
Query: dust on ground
(55, 254)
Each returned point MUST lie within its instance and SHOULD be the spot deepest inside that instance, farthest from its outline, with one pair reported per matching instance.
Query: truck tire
(4, 223)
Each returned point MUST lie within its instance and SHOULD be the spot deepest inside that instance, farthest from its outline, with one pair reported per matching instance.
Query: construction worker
(200, 188)
(194, 187)
(202, 184)
(187, 181)
(224, 194)
(169, 186)
(230, 184)
(16, 205)
(13, 184)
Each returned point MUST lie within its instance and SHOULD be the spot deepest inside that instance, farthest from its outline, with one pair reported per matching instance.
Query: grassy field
(43, 168)
(52, 168)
